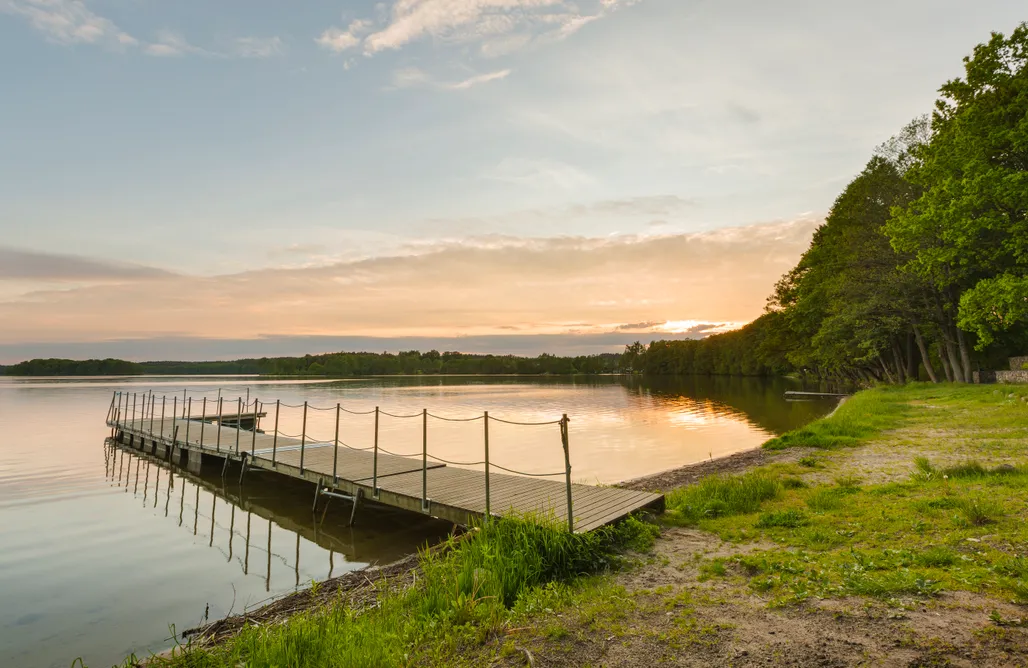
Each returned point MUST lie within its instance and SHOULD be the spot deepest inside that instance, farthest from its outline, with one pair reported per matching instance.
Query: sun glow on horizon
(686, 326)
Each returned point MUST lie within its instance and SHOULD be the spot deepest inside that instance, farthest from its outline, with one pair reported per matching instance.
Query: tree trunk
(897, 358)
(924, 355)
(965, 356)
(945, 364)
(947, 327)
(954, 362)
(885, 370)
(913, 372)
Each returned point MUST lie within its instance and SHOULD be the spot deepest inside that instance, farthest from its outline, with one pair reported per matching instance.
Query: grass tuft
(823, 499)
(978, 512)
(721, 496)
(782, 518)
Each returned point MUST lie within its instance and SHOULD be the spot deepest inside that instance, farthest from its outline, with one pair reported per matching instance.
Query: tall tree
(967, 233)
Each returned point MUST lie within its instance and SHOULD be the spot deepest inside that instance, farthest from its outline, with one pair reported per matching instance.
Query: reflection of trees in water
(761, 401)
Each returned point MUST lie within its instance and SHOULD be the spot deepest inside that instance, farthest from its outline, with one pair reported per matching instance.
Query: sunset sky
(201, 180)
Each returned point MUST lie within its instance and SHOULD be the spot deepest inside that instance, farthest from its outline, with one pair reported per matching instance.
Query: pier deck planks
(455, 494)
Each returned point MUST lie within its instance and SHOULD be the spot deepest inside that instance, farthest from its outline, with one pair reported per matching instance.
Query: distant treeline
(336, 365)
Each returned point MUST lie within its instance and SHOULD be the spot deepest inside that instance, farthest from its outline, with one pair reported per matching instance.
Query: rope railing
(131, 410)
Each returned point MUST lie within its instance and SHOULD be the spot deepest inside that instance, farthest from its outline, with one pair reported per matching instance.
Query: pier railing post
(335, 453)
(303, 436)
(164, 405)
(239, 419)
(253, 436)
(374, 463)
(174, 427)
(567, 468)
(189, 416)
(424, 459)
(133, 408)
(217, 444)
(487, 507)
(274, 437)
(110, 409)
(183, 404)
(203, 420)
(153, 406)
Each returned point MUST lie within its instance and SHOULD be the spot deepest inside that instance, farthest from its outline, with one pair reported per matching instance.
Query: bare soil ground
(678, 618)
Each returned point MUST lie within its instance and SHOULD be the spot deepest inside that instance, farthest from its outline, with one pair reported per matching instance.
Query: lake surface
(103, 553)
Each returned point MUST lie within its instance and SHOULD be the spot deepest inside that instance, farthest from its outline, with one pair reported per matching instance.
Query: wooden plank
(456, 493)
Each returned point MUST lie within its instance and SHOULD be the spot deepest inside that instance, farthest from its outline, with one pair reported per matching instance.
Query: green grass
(721, 496)
(949, 523)
(862, 416)
(464, 596)
(782, 518)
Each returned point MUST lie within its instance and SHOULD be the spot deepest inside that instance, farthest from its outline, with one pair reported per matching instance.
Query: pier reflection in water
(268, 529)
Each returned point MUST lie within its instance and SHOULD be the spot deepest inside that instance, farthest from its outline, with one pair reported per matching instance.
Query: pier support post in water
(356, 502)
(486, 422)
(567, 468)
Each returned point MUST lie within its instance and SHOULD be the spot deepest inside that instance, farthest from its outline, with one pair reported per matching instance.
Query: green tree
(968, 232)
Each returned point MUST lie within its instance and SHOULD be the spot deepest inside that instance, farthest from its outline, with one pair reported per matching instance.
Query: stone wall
(1018, 373)
(1012, 376)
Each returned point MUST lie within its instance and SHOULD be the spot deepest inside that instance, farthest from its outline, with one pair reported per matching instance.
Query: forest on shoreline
(920, 270)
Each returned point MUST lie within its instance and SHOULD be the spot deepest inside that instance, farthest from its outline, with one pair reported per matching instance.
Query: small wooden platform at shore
(460, 495)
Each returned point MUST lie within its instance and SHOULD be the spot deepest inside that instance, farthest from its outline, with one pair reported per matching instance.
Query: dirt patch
(732, 464)
(681, 618)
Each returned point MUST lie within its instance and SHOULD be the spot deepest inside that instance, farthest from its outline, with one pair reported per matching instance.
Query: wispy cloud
(339, 40)
(540, 286)
(479, 79)
(69, 22)
(497, 26)
(172, 44)
(539, 173)
(24, 265)
(414, 77)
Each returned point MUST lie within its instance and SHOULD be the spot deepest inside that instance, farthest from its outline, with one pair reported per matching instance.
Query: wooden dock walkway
(425, 485)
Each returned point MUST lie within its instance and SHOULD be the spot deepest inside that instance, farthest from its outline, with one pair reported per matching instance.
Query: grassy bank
(464, 596)
(891, 532)
(938, 506)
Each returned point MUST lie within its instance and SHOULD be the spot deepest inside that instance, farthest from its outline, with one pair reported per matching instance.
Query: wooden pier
(427, 485)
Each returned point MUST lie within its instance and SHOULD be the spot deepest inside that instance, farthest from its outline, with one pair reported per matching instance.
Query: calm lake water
(103, 553)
